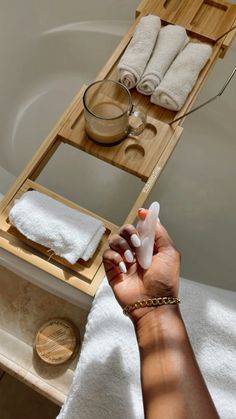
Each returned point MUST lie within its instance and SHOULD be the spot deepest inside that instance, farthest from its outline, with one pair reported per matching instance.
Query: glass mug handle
(138, 115)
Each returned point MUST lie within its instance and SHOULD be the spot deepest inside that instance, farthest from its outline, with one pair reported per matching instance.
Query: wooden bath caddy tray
(144, 156)
(206, 18)
(57, 265)
(136, 155)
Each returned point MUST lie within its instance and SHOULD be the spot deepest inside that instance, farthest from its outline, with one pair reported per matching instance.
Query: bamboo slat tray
(143, 156)
(78, 274)
(206, 18)
(136, 155)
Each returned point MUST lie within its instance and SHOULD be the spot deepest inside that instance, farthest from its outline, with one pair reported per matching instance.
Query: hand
(128, 280)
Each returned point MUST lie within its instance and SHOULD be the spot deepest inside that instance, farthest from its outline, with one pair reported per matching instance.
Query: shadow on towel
(107, 379)
(112, 399)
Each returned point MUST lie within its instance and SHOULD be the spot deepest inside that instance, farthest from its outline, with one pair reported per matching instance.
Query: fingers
(121, 252)
(125, 242)
(121, 246)
(130, 234)
(114, 264)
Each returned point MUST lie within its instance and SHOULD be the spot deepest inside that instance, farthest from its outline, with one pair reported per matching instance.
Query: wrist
(158, 321)
(142, 307)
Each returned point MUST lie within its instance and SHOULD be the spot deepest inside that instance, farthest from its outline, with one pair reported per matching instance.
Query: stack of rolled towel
(64, 230)
(162, 63)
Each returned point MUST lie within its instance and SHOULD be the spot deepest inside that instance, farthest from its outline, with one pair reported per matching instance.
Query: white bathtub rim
(108, 27)
(44, 280)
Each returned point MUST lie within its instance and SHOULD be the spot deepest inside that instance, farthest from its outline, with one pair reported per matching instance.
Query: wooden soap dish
(57, 341)
(82, 273)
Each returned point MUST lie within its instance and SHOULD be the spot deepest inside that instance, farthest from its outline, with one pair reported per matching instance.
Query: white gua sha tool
(146, 229)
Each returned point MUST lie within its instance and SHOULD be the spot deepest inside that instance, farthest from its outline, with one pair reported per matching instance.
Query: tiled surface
(23, 308)
(18, 401)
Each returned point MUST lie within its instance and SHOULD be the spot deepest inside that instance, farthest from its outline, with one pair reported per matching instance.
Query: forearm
(172, 384)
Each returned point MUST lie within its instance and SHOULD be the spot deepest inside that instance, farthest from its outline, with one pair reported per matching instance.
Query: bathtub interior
(45, 65)
(51, 80)
(52, 49)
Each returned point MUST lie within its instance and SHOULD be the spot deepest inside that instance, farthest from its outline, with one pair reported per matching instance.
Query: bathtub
(50, 49)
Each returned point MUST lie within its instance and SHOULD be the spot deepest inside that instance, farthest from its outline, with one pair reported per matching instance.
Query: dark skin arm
(172, 384)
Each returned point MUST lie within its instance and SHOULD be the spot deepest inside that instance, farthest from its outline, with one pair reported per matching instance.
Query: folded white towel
(179, 80)
(139, 50)
(171, 40)
(107, 378)
(66, 231)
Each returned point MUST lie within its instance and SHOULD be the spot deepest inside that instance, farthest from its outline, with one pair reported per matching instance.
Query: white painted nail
(129, 256)
(122, 267)
(135, 240)
(159, 221)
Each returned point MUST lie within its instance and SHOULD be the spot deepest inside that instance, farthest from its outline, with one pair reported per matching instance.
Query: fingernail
(135, 240)
(140, 210)
(122, 267)
(159, 221)
(129, 256)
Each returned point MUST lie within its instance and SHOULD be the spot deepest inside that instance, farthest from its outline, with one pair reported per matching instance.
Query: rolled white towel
(139, 50)
(179, 80)
(68, 232)
(171, 40)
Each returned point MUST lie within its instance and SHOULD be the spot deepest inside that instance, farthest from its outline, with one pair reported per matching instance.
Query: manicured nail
(122, 267)
(159, 221)
(129, 256)
(135, 240)
(140, 210)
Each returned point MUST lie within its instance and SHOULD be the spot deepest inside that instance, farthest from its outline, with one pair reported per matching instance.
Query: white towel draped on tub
(171, 40)
(179, 80)
(139, 50)
(107, 378)
(68, 232)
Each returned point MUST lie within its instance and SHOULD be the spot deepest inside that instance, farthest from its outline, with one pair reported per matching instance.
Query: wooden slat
(228, 40)
(136, 155)
(208, 19)
(16, 247)
(139, 203)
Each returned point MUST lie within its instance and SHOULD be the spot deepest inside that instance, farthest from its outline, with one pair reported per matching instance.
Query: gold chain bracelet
(150, 302)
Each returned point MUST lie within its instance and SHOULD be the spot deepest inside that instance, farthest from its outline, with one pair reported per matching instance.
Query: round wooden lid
(57, 341)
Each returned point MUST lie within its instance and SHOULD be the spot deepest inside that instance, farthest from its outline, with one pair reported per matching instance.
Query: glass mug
(109, 113)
